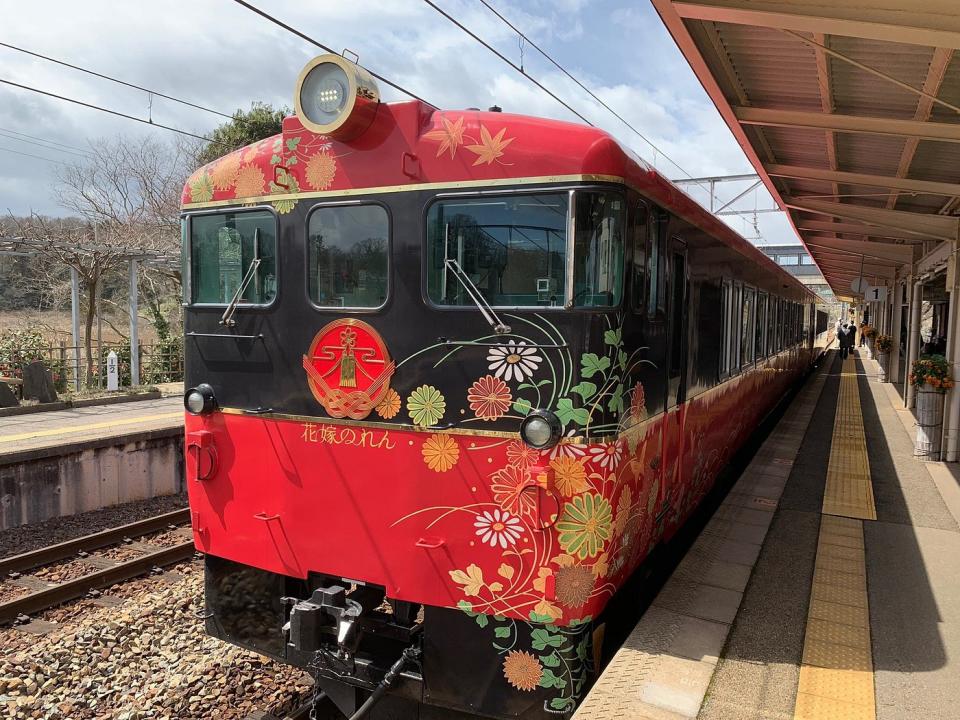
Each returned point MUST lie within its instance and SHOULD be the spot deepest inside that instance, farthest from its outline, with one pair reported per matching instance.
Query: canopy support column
(913, 339)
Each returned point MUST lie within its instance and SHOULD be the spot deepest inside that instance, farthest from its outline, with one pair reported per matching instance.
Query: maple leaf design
(450, 137)
(491, 147)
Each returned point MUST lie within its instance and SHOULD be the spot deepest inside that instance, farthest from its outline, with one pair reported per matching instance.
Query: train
(453, 375)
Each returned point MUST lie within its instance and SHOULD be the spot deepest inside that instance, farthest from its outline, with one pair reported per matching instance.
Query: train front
(408, 431)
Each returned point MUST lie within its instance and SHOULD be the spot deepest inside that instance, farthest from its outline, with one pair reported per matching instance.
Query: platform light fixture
(335, 97)
(200, 400)
(541, 429)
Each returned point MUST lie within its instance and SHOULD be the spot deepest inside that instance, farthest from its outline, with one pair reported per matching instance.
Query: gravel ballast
(146, 656)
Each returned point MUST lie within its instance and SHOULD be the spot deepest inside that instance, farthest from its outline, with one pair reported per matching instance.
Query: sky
(221, 55)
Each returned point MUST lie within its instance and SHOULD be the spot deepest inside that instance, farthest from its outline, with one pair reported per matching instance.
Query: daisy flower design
(498, 528)
(562, 449)
(608, 455)
(514, 361)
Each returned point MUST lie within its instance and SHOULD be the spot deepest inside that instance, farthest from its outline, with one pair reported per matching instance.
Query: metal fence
(159, 363)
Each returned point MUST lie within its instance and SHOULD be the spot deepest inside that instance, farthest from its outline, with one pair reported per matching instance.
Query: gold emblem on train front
(348, 368)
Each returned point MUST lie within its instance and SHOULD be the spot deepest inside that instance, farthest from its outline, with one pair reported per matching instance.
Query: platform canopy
(849, 111)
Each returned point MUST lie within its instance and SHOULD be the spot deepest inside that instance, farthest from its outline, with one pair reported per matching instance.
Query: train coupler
(328, 614)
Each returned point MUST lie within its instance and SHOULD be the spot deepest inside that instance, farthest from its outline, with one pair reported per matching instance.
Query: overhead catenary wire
(38, 157)
(540, 85)
(103, 76)
(112, 112)
(303, 36)
(43, 142)
(505, 59)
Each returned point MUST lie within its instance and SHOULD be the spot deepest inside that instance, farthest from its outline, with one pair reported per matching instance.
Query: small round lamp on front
(200, 400)
(335, 97)
(541, 429)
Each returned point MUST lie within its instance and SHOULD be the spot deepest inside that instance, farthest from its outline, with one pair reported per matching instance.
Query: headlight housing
(541, 429)
(335, 97)
(200, 399)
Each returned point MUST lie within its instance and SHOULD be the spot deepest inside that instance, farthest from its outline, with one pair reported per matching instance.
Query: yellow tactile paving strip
(836, 674)
(69, 430)
(848, 492)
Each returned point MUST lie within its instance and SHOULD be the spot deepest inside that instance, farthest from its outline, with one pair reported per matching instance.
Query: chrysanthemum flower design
(440, 452)
(224, 173)
(521, 454)
(522, 670)
(514, 361)
(321, 169)
(584, 526)
(201, 188)
(574, 583)
(570, 476)
(608, 455)
(498, 527)
(511, 491)
(389, 404)
(426, 406)
(250, 181)
(489, 397)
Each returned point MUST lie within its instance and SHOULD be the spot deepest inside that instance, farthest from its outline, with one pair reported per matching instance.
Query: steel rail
(78, 587)
(69, 548)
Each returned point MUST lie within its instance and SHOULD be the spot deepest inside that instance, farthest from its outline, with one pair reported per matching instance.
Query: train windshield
(224, 252)
(514, 249)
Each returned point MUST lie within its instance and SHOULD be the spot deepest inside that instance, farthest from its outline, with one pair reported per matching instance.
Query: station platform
(43, 431)
(63, 462)
(826, 585)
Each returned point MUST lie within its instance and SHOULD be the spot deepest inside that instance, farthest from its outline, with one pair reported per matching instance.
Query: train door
(676, 471)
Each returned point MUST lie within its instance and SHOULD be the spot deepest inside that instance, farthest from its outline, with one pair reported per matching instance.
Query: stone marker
(38, 383)
(113, 372)
(7, 398)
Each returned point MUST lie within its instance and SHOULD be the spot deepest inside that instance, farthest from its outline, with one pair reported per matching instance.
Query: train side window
(747, 332)
(657, 266)
(233, 254)
(727, 304)
(772, 326)
(598, 249)
(638, 259)
(735, 327)
(761, 326)
(347, 256)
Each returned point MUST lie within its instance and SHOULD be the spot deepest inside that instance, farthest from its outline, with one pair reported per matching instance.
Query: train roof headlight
(336, 97)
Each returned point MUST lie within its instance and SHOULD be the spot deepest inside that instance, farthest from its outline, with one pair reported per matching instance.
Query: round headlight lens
(194, 402)
(541, 429)
(200, 399)
(324, 92)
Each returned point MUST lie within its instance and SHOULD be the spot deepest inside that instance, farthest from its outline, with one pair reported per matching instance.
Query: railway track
(103, 572)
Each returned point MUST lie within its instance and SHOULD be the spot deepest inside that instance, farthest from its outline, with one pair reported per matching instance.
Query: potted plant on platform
(870, 333)
(883, 345)
(930, 375)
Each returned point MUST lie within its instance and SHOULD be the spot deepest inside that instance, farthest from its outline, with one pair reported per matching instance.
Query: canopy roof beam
(934, 23)
(938, 227)
(926, 187)
(945, 132)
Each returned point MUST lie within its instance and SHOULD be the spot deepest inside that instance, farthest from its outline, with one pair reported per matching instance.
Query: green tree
(245, 128)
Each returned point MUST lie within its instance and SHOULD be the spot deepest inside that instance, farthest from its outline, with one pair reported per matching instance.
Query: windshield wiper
(489, 315)
(227, 317)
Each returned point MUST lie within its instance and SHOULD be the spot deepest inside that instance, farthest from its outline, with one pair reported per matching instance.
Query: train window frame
(748, 318)
(736, 312)
(760, 325)
(306, 255)
(187, 255)
(657, 289)
(570, 191)
(638, 288)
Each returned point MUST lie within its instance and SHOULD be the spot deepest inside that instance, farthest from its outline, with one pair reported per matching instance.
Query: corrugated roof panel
(774, 75)
(871, 154)
(857, 92)
(950, 92)
(798, 146)
(936, 161)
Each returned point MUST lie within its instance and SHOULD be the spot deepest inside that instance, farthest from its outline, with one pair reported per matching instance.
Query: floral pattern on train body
(612, 500)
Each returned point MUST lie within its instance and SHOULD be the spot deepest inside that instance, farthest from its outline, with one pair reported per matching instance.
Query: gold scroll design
(355, 404)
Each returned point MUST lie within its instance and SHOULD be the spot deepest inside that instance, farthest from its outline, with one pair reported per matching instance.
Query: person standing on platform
(846, 337)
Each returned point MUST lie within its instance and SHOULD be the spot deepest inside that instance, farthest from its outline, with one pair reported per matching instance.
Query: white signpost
(113, 372)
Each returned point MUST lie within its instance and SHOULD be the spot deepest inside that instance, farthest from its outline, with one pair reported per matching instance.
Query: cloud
(223, 56)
